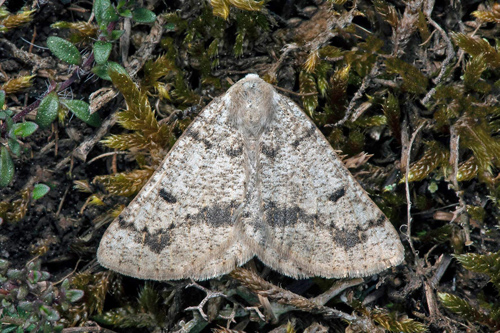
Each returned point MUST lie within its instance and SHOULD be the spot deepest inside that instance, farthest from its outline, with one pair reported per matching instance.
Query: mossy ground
(414, 84)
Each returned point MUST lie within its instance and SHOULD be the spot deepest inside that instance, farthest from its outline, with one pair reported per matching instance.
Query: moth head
(251, 103)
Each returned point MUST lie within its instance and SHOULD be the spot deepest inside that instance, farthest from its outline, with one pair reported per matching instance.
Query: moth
(252, 176)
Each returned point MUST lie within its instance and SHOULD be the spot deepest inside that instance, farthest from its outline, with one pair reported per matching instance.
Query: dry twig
(450, 52)
(261, 287)
(407, 189)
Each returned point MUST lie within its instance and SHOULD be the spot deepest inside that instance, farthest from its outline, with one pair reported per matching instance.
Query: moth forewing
(252, 176)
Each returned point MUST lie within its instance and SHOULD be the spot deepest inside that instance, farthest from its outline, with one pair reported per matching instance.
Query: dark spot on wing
(268, 151)
(347, 239)
(167, 196)
(217, 215)
(192, 133)
(197, 137)
(308, 134)
(234, 152)
(273, 215)
(286, 216)
(335, 196)
(156, 241)
(124, 224)
(361, 234)
(380, 221)
(207, 144)
(121, 222)
(310, 131)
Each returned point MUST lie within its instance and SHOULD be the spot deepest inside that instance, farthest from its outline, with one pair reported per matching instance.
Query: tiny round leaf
(74, 295)
(49, 313)
(6, 168)
(81, 109)
(102, 50)
(116, 34)
(101, 71)
(4, 264)
(47, 111)
(26, 306)
(39, 191)
(125, 13)
(14, 146)
(64, 50)
(114, 66)
(24, 129)
(100, 8)
(143, 15)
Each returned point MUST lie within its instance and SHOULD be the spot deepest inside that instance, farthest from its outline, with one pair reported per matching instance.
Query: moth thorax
(251, 105)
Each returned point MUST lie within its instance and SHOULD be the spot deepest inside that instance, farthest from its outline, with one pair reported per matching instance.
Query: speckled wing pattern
(252, 176)
(318, 220)
(181, 223)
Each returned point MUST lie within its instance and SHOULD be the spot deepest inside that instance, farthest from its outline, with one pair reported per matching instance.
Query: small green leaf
(47, 111)
(81, 109)
(101, 71)
(34, 276)
(48, 295)
(14, 146)
(116, 34)
(120, 4)
(100, 6)
(15, 274)
(49, 313)
(110, 15)
(125, 13)
(117, 68)
(65, 284)
(45, 276)
(143, 15)
(4, 264)
(170, 27)
(6, 168)
(39, 191)
(25, 306)
(2, 98)
(22, 292)
(9, 122)
(64, 50)
(33, 265)
(74, 295)
(4, 114)
(102, 50)
(24, 129)
(104, 13)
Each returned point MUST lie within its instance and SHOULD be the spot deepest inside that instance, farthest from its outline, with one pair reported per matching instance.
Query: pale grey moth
(251, 176)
